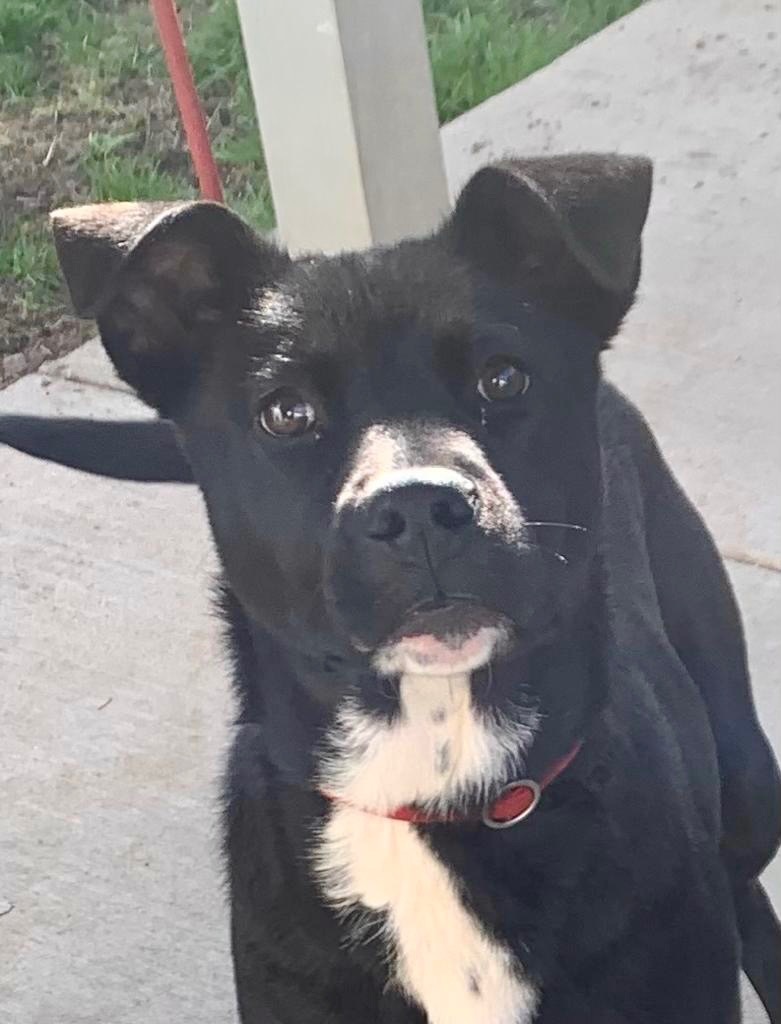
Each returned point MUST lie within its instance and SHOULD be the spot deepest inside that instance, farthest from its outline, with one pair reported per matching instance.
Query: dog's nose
(403, 512)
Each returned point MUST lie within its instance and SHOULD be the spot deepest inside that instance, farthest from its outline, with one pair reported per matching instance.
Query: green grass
(480, 47)
(27, 258)
(86, 111)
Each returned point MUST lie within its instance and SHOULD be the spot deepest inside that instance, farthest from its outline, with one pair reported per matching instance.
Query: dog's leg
(703, 623)
(760, 933)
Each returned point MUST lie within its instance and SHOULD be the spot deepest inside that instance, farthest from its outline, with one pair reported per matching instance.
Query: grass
(479, 48)
(86, 111)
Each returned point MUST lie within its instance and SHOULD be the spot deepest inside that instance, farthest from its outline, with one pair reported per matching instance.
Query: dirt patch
(38, 340)
(51, 156)
(101, 124)
(35, 316)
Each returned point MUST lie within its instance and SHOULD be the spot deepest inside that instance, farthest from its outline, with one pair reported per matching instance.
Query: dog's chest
(440, 954)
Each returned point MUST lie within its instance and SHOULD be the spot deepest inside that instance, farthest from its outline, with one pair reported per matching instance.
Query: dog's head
(388, 442)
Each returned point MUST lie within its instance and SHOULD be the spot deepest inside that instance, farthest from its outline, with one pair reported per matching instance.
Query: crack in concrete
(758, 561)
(73, 378)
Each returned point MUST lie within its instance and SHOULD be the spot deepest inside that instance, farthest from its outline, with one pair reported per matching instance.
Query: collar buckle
(515, 803)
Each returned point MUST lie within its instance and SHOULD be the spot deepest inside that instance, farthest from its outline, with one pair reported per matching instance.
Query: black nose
(403, 512)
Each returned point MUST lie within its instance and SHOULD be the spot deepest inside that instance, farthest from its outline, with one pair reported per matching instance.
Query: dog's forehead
(391, 312)
(344, 304)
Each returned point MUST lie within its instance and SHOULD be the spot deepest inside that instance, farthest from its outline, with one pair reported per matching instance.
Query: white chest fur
(440, 954)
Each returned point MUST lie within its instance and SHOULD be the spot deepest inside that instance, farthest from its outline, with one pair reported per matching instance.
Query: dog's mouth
(444, 637)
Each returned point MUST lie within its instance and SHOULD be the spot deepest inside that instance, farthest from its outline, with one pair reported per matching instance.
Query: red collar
(516, 801)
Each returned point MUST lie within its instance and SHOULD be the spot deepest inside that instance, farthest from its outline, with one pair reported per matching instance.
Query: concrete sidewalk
(114, 719)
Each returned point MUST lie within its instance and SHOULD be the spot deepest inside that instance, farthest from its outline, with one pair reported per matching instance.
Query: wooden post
(346, 108)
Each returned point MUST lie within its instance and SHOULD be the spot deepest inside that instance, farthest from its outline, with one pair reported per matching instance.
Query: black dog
(497, 758)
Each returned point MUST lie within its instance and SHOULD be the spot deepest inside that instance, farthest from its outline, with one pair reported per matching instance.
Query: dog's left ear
(564, 231)
(166, 283)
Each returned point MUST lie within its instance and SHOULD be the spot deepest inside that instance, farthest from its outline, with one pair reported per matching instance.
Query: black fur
(630, 895)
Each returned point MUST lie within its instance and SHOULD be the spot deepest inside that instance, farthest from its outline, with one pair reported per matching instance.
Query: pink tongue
(429, 649)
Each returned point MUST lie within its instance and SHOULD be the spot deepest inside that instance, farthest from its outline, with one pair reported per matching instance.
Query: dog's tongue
(450, 639)
(446, 654)
(448, 624)
(428, 649)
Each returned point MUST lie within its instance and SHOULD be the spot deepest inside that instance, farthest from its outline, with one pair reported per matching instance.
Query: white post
(346, 108)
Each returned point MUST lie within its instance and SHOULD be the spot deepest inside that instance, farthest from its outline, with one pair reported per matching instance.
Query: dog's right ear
(161, 279)
(564, 231)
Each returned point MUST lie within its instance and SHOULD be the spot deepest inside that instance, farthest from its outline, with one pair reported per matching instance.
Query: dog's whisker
(561, 526)
(554, 553)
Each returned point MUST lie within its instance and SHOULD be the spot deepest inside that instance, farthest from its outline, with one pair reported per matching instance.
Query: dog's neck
(545, 699)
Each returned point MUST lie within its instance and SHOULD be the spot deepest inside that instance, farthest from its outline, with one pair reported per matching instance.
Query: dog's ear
(161, 279)
(564, 230)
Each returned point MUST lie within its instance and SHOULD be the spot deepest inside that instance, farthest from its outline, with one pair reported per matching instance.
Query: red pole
(190, 110)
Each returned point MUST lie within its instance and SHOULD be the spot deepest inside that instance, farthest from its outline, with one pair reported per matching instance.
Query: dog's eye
(502, 377)
(285, 413)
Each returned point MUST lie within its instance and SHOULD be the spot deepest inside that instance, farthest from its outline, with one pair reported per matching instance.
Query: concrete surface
(111, 735)
(113, 719)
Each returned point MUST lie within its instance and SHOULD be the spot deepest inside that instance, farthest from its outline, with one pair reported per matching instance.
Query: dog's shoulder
(621, 424)
(630, 459)
(636, 476)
